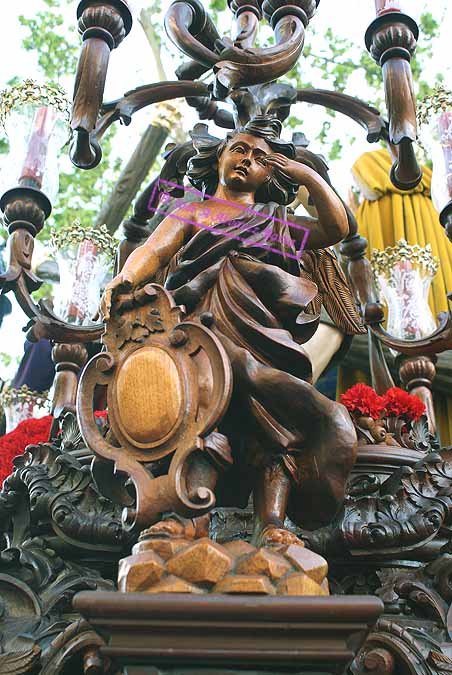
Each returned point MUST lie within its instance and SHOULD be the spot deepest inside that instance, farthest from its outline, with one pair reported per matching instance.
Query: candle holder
(103, 26)
(35, 118)
(385, 6)
(403, 274)
(85, 258)
(391, 40)
(435, 130)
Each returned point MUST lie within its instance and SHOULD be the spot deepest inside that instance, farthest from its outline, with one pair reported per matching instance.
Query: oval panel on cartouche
(149, 395)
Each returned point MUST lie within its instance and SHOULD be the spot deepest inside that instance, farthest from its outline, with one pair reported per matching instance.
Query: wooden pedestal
(218, 633)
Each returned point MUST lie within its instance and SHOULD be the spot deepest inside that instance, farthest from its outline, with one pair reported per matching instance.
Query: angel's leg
(270, 495)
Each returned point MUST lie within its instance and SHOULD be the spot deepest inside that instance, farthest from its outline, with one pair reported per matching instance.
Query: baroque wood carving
(168, 385)
(172, 367)
(52, 521)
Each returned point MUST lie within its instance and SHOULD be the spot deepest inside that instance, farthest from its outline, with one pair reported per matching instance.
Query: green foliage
(294, 122)
(215, 8)
(44, 292)
(333, 61)
(6, 359)
(429, 29)
(336, 149)
(372, 72)
(81, 192)
(55, 42)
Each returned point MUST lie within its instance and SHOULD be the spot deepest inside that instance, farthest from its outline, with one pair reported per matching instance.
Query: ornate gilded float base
(178, 565)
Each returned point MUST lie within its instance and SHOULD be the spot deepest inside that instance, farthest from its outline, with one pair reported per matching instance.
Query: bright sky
(132, 65)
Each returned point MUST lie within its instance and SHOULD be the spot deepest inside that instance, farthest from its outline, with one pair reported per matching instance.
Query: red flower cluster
(396, 402)
(364, 400)
(28, 432)
(402, 404)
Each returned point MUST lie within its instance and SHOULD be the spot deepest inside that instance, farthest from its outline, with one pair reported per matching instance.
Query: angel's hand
(276, 159)
(117, 286)
(290, 167)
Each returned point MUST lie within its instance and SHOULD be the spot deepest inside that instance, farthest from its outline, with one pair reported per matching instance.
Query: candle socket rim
(32, 194)
(120, 5)
(380, 21)
(247, 8)
(404, 184)
(401, 359)
(23, 225)
(395, 53)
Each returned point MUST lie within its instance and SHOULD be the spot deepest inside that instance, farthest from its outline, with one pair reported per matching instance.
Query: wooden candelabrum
(417, 374)
(69, 359)
(435, 129)
(155, 354)
(391, 40)
(25, 210)
(103, 26)
(417, 358)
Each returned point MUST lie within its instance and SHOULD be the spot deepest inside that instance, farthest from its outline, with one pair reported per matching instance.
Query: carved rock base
(178, 565)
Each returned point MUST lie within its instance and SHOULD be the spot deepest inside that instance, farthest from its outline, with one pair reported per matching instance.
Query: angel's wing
(322, 267)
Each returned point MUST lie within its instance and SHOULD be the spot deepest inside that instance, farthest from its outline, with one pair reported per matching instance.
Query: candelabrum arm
(363, 114)
(25, 211)
(247, 14)
(191, 29)
(236, 63)
(136, 99)
(103, 26)
(391, 40)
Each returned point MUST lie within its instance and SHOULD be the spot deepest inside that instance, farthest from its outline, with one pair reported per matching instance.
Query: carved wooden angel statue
(234, 262)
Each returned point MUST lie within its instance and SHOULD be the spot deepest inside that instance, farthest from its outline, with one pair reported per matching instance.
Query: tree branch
(145, 21)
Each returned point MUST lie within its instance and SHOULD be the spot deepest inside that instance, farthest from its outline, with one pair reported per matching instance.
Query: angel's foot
(278, 536)
(178, 528)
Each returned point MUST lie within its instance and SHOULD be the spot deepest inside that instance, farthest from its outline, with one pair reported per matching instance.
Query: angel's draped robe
(264, 298)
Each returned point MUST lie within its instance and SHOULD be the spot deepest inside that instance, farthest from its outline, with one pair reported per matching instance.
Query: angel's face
(240, 165)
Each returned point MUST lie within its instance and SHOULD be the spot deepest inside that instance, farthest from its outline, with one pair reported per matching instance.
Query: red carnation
(364, 400)
(402, 404)
(28, 432)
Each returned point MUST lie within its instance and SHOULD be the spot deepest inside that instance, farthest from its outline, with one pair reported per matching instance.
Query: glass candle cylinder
(403, 275)
(85, 259)
(35, 119)
(385, 6)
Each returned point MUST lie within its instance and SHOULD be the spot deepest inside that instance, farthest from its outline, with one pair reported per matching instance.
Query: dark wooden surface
(320, 634)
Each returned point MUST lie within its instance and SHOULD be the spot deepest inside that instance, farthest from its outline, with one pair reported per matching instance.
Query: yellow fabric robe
(386, 215)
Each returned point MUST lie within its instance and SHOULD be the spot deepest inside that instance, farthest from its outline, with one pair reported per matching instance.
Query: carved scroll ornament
(168, 384)
(191, 29)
